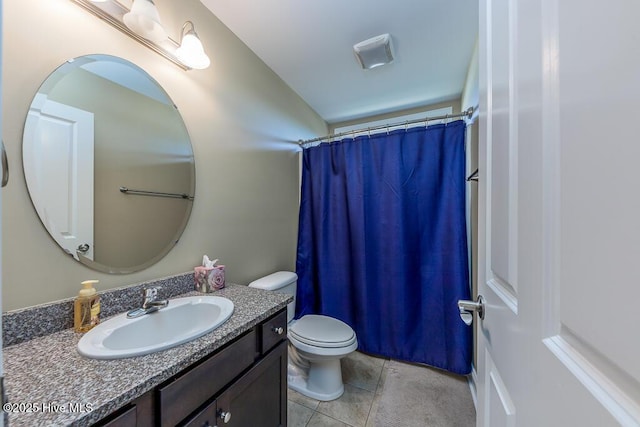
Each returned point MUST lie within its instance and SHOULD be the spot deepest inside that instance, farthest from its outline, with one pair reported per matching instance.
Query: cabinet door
(181, 396)
(258, 398)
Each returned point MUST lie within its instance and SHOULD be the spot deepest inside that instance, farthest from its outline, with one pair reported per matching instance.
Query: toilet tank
(281, 281)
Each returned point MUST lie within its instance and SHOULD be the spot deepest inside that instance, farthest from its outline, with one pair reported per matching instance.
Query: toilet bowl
(316, 344)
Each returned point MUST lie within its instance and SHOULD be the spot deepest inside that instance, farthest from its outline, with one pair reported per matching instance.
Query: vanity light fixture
(144, 19)
(142, 23)
(191, 52)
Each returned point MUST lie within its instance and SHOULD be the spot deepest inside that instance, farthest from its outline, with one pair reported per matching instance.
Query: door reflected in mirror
(96, 125)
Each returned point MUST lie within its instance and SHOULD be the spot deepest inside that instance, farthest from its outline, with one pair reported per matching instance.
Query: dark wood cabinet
(125, 417)
(243, 384)
(257, 399)
(139, 413)
(187, 391)
(272, 331)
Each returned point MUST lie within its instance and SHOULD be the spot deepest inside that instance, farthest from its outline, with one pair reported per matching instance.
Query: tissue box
(209, 279)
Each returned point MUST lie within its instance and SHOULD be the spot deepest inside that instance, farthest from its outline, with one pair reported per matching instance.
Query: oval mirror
(108, 164)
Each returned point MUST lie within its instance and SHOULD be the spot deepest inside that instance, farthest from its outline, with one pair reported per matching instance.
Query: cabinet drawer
(273, 331)
(187, 392)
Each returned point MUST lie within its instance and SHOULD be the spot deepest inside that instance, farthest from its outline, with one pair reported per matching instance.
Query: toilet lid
(322, 331)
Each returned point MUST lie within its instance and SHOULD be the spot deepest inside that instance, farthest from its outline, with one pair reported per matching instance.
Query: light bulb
(191, 53)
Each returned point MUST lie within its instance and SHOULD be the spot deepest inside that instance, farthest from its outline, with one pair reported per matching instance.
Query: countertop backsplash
(33, 322)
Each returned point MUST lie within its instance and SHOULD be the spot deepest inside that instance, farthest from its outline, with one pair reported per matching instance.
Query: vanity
(235, 375)
(140, 168)
(242, 384)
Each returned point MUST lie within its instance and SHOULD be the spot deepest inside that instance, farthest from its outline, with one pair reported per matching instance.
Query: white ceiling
(309, 45)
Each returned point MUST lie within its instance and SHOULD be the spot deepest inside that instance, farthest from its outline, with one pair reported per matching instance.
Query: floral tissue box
(209, 279)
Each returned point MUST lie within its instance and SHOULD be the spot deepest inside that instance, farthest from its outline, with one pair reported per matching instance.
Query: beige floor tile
(361, 370)
(377, 396)
(351, 408)
(301, 399)
(369, 358)
(298, 415)
(414, 395)
(406, 395)
(373, 410)
(320, 420)
(383, 377)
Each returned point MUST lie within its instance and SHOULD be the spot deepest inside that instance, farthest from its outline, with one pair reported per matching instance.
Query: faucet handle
(151, 292)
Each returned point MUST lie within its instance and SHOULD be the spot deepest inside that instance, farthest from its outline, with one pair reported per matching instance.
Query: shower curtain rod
(468, 113)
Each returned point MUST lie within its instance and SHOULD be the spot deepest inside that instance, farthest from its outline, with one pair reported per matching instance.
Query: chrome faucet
(149, 304)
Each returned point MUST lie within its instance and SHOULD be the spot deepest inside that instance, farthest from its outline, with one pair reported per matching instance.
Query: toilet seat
(321, 332)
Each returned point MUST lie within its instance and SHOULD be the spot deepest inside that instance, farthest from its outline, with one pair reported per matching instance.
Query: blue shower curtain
(382, 242)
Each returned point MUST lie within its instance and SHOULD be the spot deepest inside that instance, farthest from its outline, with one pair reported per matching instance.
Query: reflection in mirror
(99, 123)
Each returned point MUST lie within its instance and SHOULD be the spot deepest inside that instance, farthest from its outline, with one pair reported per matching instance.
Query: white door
(58, 151)
(559, 213)
(3, 173)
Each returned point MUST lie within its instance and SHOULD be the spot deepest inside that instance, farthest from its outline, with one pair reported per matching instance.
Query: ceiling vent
(374, 52)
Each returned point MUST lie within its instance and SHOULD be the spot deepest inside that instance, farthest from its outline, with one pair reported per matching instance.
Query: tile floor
(381, 392)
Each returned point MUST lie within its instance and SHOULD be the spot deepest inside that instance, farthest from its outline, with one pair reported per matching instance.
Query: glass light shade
(144, 20)
(191, 53)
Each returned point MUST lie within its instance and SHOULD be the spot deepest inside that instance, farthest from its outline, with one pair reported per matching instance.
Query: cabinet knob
(279, 330)
(224, 416)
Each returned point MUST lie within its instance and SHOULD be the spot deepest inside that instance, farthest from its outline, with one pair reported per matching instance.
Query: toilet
(316, 344)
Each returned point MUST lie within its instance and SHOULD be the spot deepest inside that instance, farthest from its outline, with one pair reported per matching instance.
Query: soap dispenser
(86, 308)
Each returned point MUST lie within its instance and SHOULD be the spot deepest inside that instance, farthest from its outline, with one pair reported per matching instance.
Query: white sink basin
(183, 320)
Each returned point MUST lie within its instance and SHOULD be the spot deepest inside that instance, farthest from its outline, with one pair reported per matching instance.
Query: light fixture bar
(112, 12)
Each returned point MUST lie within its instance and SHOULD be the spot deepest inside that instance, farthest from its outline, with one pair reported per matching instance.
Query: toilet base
(323, 381)
(315, 371)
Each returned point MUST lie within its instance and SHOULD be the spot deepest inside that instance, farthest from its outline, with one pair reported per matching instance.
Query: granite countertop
(48, 376)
